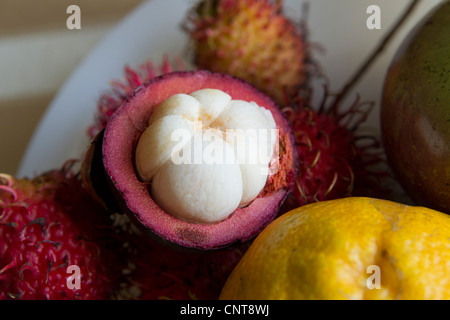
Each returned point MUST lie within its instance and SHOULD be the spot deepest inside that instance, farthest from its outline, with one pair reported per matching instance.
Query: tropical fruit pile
(226, 181)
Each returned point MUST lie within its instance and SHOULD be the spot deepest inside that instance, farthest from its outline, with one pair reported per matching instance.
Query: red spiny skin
(110, 101)
(327, 155)
(334, 160)
(252, 40)
(164, 273)
(46, 225)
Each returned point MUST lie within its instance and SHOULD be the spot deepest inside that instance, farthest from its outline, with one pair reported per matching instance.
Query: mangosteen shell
(124, 192)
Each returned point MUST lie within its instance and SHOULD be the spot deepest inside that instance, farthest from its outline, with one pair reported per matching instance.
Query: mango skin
(415, 112)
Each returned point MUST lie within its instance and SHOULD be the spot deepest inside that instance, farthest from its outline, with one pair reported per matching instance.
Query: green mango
(415, 111)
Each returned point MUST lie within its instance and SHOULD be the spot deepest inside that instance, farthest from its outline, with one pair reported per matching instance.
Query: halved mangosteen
(202, 160)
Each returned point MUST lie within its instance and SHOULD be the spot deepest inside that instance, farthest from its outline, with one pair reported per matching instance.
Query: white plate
(153, 29)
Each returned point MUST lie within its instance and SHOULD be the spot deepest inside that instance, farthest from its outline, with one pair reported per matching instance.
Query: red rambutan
(54, 241)
(252, 40)
(120, 89)
(160, 272)
(335, 161)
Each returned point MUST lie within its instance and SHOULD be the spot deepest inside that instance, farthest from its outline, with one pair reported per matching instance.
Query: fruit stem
(381, 46)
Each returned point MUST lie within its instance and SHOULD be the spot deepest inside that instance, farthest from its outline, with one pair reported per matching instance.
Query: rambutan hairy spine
(120, 89)
(252, 40)
(360, 167)
(334, 160)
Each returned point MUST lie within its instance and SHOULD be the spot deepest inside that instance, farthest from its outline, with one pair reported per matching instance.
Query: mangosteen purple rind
(93, 176)
(125, 192)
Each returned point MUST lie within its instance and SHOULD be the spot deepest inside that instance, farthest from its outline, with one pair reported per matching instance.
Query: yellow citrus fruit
(351, 248)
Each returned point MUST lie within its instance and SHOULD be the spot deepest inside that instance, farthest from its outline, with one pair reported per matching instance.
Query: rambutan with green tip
(252, 40)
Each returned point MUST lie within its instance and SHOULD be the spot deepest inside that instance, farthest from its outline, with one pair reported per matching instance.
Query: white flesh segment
(244, 115)
(199, 170)
(254, 178)
(159, 142)
(212, 103)
(254, 168)
(241, 115)
(253, 120)
(202, 193)
(180, 104)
